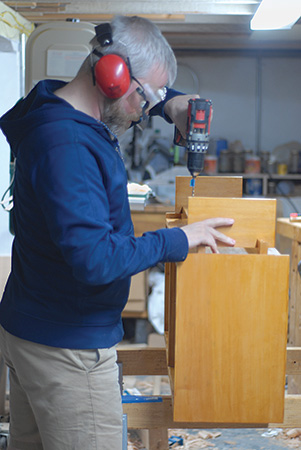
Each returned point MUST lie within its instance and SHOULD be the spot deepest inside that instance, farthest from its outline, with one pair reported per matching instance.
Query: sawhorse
(157, 418)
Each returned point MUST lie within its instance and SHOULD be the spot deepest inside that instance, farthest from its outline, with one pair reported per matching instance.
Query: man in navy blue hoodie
(74, 250)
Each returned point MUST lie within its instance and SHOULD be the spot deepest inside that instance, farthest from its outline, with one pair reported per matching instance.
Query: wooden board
(231, 330)
(291, 230)
(152, 361)
(170, 310)
(157, 415)
(151, 218)
(206, 186)
(254, 218)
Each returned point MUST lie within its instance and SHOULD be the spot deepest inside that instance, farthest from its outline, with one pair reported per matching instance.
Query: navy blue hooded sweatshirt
(74, 250)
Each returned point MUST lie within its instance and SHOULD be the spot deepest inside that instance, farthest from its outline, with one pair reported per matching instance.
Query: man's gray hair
(142, 42)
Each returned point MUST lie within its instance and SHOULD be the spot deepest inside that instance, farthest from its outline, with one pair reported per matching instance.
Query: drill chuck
(195, 163)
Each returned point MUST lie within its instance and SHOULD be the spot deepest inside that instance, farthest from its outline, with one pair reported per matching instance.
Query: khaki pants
(62, 399)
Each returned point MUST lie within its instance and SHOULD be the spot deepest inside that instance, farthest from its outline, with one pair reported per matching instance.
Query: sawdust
(291, 437)
(197, 440)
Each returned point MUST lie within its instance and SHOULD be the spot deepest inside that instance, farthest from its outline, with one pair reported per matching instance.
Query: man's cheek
(128, 108)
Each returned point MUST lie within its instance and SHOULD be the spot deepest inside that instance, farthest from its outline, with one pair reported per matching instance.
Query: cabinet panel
(254, 219)
(230, 350)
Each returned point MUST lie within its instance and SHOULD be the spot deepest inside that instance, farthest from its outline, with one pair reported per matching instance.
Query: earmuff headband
(104, 34)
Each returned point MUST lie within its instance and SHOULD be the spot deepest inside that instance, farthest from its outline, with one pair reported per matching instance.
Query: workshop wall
(255, 100)
(281, 101)
(9, 94)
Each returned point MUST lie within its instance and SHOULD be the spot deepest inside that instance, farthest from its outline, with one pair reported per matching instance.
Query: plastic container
(264, 162)
(282, 169)
(294, 161)
(253, 186)
(252, 164)
(238, 162)
(225, 162)
(221, 144)
(210, 164)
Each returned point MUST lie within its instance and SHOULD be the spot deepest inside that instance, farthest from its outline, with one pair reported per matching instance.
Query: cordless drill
(197, 135)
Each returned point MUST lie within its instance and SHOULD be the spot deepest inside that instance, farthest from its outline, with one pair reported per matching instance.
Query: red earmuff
(112, 75)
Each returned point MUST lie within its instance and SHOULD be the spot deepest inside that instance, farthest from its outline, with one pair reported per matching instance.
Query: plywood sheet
(254, 218)
(206, 186)
(231, 331)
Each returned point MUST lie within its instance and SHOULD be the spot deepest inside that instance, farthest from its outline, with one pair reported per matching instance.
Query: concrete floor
(229, 439)
(247, 439)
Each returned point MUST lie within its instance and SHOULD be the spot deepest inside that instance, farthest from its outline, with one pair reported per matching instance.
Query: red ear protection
(111, 73)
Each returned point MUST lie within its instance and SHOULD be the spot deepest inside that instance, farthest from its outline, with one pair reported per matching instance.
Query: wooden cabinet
(226, 318)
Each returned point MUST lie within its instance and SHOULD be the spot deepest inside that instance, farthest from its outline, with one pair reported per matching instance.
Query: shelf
(274, 176)
(265, 177)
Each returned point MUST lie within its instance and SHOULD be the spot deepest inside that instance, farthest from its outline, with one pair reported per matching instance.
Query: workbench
(151, 218)
(156, 418)
(292, 230)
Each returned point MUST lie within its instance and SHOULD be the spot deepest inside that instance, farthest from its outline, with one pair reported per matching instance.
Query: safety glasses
(149, 96)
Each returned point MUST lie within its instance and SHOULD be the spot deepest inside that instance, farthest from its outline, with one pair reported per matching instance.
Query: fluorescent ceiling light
(276, 14)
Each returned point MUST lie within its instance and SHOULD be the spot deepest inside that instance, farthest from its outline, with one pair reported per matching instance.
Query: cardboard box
(138, 293)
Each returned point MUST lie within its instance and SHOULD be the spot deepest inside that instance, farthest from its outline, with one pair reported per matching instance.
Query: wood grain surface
(206, 187)
(254, 218)
(231, 328)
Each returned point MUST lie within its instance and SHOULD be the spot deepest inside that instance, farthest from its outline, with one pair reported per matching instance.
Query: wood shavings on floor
(193, 441)
(292, 437)
(198, 440)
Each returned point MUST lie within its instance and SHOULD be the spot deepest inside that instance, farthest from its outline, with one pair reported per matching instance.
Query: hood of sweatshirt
(39, 107)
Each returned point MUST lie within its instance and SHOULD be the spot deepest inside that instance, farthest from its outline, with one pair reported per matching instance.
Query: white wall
(231, 83)
(281, 101)
(9, 94)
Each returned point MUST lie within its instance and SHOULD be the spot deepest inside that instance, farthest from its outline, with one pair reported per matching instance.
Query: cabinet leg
(154, 439)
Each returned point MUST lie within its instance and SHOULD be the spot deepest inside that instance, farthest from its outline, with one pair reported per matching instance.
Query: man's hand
(205, 233)
(176, 108)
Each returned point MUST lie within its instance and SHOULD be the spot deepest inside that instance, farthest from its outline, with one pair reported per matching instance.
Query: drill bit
(192, 184)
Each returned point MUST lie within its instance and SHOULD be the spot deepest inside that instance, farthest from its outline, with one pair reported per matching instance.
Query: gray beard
(113, 118)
